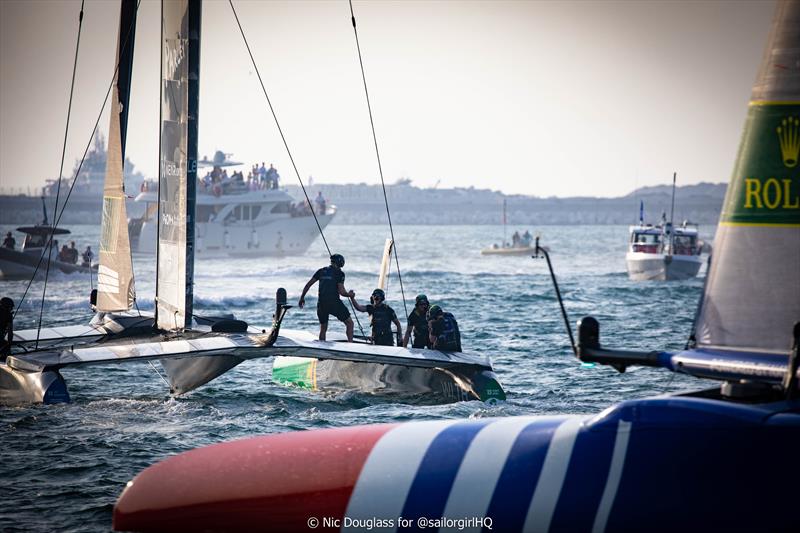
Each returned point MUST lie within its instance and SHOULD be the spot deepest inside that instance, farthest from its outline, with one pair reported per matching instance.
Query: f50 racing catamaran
(195, 350)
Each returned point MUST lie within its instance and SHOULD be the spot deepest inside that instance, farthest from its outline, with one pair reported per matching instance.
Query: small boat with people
(663, 252)
(35, 252)
(519, 245)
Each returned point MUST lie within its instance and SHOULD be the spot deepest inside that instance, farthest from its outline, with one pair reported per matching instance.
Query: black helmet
(434, 312)
(421, 299)
(7, 303)
(338, 260)
(378, 293)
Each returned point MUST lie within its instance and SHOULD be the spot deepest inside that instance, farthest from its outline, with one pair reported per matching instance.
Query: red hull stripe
(275, 482)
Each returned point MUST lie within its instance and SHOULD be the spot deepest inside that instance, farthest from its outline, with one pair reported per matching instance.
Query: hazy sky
(542, 98)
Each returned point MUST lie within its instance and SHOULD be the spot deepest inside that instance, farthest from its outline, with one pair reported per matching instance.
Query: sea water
(63, 466)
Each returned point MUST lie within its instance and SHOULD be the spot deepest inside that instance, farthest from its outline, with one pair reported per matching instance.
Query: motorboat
(663, 253)
(32, 258)
(235, 221)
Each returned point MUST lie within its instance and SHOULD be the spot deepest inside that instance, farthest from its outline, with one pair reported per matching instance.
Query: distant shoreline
(364, 204)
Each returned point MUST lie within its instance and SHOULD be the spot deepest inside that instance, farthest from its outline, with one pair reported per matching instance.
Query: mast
(115, 283)
(504, 222)
(752, 296)
(671, 226)
(180, 41)
(672, 210)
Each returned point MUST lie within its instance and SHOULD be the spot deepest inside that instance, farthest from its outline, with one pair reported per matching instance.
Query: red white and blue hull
(664, 464)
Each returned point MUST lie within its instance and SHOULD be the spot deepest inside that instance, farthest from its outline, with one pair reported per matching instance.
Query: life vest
(450, 338)
(382, 321)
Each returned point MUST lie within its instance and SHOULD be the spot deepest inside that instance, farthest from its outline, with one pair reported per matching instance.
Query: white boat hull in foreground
(660, 267)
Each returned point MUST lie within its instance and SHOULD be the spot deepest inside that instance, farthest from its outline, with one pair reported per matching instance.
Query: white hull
(231, 233)
(660, 267)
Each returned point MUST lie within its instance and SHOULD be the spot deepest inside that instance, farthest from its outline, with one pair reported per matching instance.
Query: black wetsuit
(448, 337)
(9, 242)
(328, 302)
(6, 332)
(382, 318)
(419, 326)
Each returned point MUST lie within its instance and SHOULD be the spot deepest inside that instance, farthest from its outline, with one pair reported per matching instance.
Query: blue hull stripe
(480, 469)
(586, 479)
(551, 479)
(519, 477)
(389, 471)
(431, 487)
(614, 475)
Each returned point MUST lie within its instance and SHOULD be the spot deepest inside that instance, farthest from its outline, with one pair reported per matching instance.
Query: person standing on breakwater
(382, 318)
(331, 286)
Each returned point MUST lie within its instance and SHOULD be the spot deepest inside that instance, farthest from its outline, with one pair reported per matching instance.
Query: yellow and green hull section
(436, 385)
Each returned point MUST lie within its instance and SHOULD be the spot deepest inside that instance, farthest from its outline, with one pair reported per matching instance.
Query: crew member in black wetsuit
(443, 330)
(331, 286)
(418, 323)
(382, 318)
(6, 326)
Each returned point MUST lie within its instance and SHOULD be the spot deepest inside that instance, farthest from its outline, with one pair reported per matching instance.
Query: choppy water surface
(64, 466)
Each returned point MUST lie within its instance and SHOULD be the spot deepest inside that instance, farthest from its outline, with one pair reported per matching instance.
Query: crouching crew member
(6, 327)
(382, 317)
(443, 330)
(418, 323)
(331, 286)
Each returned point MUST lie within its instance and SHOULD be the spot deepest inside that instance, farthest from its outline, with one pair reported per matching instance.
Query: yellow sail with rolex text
(752, 296)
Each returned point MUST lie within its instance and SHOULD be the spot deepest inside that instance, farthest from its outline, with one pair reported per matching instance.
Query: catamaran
(663, 252)
(714, 459)
(194, 350)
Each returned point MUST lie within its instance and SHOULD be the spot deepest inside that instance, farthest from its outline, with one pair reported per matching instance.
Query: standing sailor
(331, 286)
(382, 318)
(443, 328)
(418, 323)
(9, 242)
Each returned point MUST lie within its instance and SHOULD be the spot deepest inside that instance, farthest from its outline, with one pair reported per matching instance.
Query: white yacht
(239, 223)
(663, 253)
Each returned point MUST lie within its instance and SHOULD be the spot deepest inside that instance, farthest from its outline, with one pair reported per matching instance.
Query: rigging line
(77, 173)
(286, 145)
(61, 170)
(378, 156)
(280, 130)
(158, 373)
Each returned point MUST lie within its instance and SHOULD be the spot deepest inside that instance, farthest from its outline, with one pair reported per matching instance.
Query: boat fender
(93, 298)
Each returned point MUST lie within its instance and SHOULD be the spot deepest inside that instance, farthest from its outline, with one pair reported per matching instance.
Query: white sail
(115, 287)
(178, 165)
(383, 276)
(752, 296)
